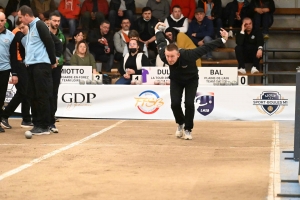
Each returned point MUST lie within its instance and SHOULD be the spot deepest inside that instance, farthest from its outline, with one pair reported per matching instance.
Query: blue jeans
(114, 19)
(71, 23)
(207, 39)
(123, 81)
(266, 20)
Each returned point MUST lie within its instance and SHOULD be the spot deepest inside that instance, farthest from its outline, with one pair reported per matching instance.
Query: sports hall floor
(142, 160)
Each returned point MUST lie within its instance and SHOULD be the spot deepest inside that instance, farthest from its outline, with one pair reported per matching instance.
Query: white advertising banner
(155, 75)
(72, 74)
(210, 75)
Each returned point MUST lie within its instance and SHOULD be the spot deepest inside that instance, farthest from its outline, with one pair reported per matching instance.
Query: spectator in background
(144, 25)
(188, 8)
(101, 45)
(213, 11)
(263, 15)
(134, 35)
(121, 39)
(69, 10)
(132, 63)
(82, 57)
(160, 9)
(42, 8)
(71, 46)
(177, 20)
(8, 24)
(12, 7)
(235, 12)
(119, 9)
(201, 30)
(249, 46)
(93, 11)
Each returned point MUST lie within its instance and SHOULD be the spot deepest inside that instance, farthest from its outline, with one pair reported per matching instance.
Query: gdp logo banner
(148, 102)
(204, 103)
(270, 102)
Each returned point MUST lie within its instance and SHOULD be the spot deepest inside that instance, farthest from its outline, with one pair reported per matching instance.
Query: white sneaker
(254, 70)
(242, 71)
(187, 135)
(179, 131)
(230, 34)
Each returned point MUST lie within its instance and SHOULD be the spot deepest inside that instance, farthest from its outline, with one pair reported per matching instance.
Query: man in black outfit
(184, 76)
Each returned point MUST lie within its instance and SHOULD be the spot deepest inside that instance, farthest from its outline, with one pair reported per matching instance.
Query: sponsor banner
(10, 93)
(155, 75)
(72, 74)
(211, 75)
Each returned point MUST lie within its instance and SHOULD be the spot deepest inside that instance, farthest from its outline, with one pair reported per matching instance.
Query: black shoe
(5, 124)
(26, 124)
(1, 130)
(40, 131)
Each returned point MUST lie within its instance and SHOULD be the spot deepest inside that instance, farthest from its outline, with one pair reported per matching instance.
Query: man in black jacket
(184, 76)
(249, 46)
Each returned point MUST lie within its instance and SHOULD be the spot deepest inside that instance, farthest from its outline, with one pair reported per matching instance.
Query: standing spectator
(39, 58)
(102, 45)
(132, 63)
(119, 9)
(71, 46)
(145, 27)
(177, 20)
(69, 10)
(6, 37)
(188, 8)
(56, 72)
(263, 15)
(93, 11)
(249, 46)
(42, 8)
(11, 9)
(213, 11)
(121, 39)
(201, 30)
(160, 9)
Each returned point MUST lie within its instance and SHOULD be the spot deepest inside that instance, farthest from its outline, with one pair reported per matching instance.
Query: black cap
(199, 10)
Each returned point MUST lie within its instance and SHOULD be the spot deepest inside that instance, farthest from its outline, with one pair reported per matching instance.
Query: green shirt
(87, 60)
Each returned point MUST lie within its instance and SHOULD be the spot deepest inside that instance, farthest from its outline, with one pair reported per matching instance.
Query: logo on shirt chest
(185, 66)
(253, 37)
(6, 41)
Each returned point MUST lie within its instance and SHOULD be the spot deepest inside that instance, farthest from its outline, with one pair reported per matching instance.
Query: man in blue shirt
(6, 38)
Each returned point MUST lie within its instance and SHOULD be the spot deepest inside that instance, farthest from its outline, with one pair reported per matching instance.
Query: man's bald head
(2, 21)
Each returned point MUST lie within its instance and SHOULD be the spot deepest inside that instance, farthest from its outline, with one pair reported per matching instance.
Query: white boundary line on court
(53, 153)
(274, 177)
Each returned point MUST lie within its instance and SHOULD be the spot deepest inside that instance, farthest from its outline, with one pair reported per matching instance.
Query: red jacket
(87, 6)
(70, 9)
(187, 7)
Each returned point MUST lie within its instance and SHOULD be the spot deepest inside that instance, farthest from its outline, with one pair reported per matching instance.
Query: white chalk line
(53, 153)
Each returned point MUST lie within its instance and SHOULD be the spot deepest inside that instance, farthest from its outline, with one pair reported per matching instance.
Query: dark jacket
(266, 4)
(140, 24)
(254, 38)
(16, 45)
(115, 5)
(12, 6)
(216, 11)
(206, 28)
(185, 68)
(94, 36)
(232, 7)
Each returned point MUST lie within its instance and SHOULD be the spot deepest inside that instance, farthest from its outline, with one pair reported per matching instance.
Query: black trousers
(21, 95)
(246, 54)
(56, 75)
(176, 92)
(4, 76)
(40, 88)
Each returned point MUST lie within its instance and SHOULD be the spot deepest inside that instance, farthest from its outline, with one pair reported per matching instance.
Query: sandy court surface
(139, 160)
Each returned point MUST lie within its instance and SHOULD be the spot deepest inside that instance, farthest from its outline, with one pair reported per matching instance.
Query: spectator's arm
(192, 9)
(52, 8)
(184, 27)
(166, 10)
(208, 31)
(67, 56)
(93, 62)
(118, 42)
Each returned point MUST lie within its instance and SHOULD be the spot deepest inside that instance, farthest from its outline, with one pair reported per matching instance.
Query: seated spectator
(213, 11)
(102, 45)
(71, 46)
(82, 57)
(69, 10)
(201, 30)
(263, 14)
(134, 35)
(249, 47)
(177, 20)
(132, 63)
(235, 12)
(93, 11)
(145, 27)
(188, 8)
(119, 9)
(160, 9)
(42, 8)
(121, 39)
(11, 9)
(8, 24)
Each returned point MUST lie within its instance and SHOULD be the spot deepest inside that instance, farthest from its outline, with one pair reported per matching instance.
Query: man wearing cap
(201, 30)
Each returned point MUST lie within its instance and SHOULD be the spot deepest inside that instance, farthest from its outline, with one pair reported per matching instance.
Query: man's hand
(259, 10)
(259, 53)
(265, 10)
(159, 24)
(107, 50)
(120, 13)
(14, 80)
(238, 17)
(95, 71)
(126, 76)
(200, 43)
(194, 34)
(243, 27)
(130, 71)
(224, 34)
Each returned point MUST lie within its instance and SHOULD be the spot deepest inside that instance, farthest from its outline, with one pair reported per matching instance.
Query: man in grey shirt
(160, 9)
